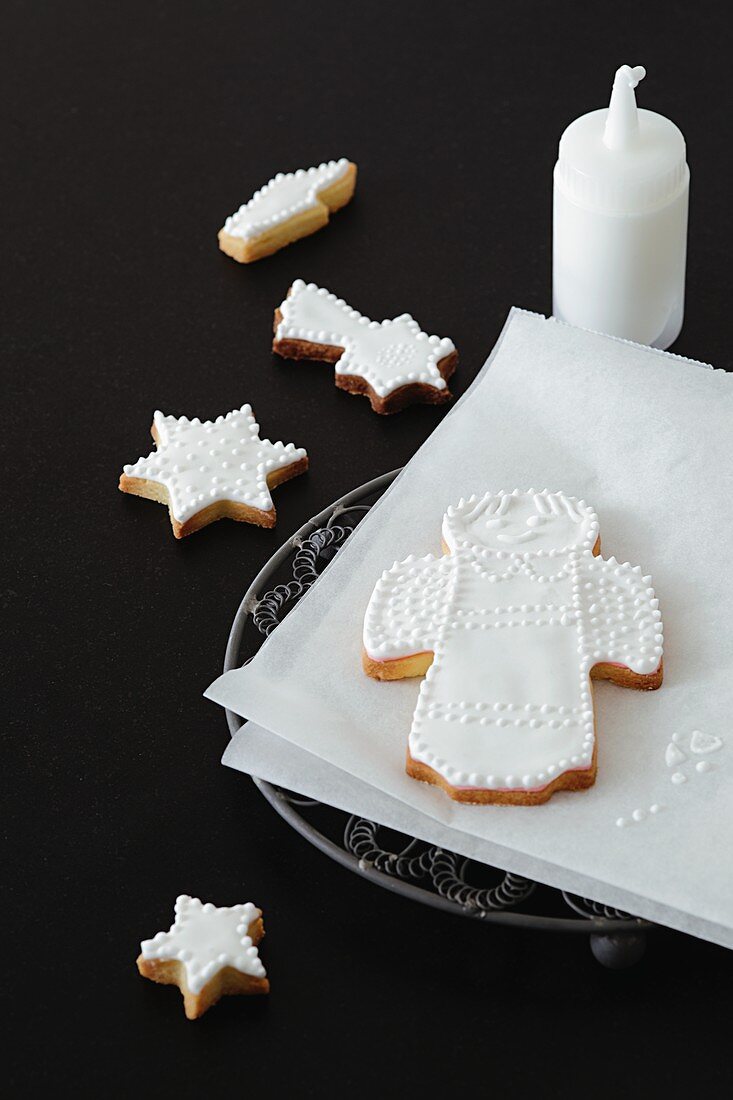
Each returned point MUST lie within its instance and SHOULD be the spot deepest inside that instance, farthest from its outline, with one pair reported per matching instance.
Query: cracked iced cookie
(209, 470)
(393, 363)
(290, 206)
(508, 629)
(207, 952)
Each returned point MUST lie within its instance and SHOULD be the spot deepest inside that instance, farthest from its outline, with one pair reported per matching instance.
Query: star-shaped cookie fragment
(291, 205)
(207, 952)
(393, 362)
(205, 471)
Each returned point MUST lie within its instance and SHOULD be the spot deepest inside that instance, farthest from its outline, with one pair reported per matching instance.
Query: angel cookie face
(517, 522)
(207, 470)
(393, 362)
(290, 206)
(509, 628)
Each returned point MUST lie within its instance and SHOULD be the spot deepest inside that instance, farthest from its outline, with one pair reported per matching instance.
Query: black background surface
(131, 131)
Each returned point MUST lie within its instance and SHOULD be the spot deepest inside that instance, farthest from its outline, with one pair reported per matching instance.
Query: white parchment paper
(648, 440)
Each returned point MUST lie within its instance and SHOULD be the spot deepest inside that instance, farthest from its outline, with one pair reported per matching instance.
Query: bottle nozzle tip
(621, 122)
(630, 75)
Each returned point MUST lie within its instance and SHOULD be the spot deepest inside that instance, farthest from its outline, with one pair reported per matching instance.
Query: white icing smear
(386, 354)
(282, 197)
(201, 463)
(206, 939)
(507, 701)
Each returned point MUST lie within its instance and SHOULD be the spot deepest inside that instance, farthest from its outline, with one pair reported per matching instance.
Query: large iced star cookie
(207, 952)
(206, 471)
(394, 363)
(508, 629)
(290, 206)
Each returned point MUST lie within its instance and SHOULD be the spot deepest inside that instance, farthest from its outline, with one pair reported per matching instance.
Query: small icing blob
(386, 354)
(704, 742)
(673, 755)
(703, 766)
(638, 815)
(516, 617)
(206, 939)
(679, 777)
(282, 197)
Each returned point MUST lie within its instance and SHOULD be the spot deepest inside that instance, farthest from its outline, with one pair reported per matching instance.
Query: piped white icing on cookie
(282, 197)
(206, 938)
(200, 463)
(516, 615)
(386, 354)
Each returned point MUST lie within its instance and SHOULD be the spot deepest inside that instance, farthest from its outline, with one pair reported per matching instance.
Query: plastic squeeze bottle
(621, 186)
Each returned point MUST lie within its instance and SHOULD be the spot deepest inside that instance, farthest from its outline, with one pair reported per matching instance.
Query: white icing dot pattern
(506, 702)
(201, 463)
(206, 938)
(386, 354)
(639, 815)
(408, 602)
(621, 617)
(283, 197)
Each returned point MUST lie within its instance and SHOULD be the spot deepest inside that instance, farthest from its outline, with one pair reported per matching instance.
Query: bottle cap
(622, 159)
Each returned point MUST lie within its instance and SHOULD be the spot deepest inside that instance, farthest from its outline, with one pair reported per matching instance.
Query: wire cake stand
(405, 865)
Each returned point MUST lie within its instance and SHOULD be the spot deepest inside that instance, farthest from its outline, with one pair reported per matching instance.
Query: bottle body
(621, 273)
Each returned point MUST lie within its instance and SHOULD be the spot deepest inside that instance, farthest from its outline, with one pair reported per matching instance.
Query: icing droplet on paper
(703, 766)
(678, 778)
(673, 755)
(704, 742)
(638, 815)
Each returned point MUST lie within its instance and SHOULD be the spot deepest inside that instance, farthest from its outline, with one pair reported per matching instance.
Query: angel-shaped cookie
(508, 629)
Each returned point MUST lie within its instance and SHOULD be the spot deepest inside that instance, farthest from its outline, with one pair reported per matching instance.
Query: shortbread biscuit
(211, 470)
(508, 628)
(207, 952)
(290, 206)
(393, 363)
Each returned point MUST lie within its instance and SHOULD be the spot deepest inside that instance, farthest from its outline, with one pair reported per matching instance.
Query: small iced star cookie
(393, 363)
(207, 952)
(290, 206)
(207, 470)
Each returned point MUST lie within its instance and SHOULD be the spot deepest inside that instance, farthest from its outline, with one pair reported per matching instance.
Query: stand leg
(619, 950)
